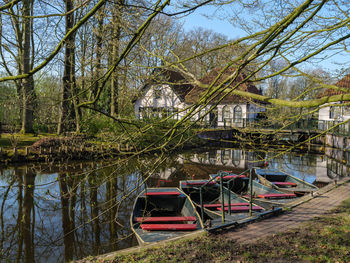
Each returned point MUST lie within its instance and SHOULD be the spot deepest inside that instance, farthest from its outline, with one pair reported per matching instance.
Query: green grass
(323, 239)
(19, 140)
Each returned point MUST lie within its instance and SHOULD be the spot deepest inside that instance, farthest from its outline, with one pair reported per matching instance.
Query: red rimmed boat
(265, 194)
(237, 183)
(236, 208)
(283, 182)
(163, 213)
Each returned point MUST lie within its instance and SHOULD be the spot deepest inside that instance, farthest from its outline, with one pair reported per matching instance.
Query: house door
(213, 118)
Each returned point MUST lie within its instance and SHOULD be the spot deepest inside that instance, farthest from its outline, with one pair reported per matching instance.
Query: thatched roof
(176, 80)
(197, 92)
(343, 83)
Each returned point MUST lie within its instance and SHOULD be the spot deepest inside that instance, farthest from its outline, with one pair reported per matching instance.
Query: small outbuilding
(333, 112)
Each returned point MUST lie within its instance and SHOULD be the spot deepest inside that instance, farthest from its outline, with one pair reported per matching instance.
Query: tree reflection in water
(56, 213)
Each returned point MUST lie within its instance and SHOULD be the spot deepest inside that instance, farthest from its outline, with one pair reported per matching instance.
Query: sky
(199, 18)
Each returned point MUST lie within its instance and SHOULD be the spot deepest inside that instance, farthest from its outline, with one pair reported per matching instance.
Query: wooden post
(15, 153)
(250, 193)
(27, 151)
(222, 200)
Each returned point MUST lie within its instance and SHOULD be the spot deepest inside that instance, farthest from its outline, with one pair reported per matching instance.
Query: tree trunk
(98, 51)
(65, 115)
(28, 95)
(94, 215)
(116, 33)
(28, 206)
(67, 221)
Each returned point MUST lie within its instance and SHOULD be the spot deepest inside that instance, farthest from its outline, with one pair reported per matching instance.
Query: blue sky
(200, 19)
(219, 26)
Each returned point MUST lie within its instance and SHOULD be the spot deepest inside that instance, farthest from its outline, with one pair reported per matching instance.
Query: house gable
(164, 94)
(159, 96)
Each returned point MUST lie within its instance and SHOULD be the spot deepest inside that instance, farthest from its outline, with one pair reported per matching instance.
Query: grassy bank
(8, 141)
(104, 142)
(323, 239)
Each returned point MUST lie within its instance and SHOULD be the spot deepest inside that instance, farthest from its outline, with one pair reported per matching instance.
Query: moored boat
(163, 213)
(234, 206)
(283, 182)
(262, 193)
(235, 182)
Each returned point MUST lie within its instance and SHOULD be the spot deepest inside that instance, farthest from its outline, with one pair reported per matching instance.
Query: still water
(60, 212)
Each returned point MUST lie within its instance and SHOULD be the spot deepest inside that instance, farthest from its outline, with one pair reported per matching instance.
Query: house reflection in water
(200, 165)
(317, 169)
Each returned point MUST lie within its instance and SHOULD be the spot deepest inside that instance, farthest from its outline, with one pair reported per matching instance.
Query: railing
(309, 125)
(222, 198)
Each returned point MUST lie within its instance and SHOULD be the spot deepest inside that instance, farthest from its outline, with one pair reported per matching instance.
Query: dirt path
(317, 206)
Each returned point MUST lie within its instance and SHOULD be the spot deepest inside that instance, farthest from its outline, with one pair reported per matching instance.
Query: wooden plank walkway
(317, 206)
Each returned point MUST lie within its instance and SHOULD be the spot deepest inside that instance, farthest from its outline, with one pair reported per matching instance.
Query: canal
(63, 211)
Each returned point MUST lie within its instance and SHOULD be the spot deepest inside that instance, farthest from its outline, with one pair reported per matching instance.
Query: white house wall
(167, 99)
(340, 113)
(221, 122)
(234, 158)
(254, 109)
(322, 171)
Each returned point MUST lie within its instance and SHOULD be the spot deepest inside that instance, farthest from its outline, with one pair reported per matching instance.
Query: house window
(157, 92)
(226, 113)
(331, 112)
(236, 157)
(237, 114)
(144, 112)
(346, 110)
(212, 157)
(141, 112)
(225, 156)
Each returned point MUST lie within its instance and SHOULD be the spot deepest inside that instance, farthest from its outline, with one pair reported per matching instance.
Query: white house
(232, 110)
(168, 93)
(163, 95)
(332, 112)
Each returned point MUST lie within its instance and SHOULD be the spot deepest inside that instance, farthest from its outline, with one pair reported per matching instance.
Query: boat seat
(219, 205)
(271, 174)
(242, 208)
(284, 183)
(168, 226)
(276, 196)
(166, 219)
(227, 177)
(198, 183)
(162, 193)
